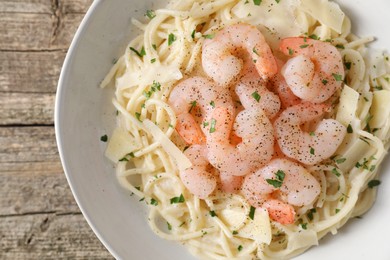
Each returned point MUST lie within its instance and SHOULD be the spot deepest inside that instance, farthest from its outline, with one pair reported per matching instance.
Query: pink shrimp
(193, 100)
(219, 55)
(308, 148)
(255, 149)
(230, 183)
(316, 70)
(278, 187)
(200, 179)
(254, 94)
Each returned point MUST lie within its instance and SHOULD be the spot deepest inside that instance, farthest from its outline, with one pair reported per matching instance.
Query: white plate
(83, 114)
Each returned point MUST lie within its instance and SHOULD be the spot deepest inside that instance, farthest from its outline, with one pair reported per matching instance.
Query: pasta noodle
(148, 152)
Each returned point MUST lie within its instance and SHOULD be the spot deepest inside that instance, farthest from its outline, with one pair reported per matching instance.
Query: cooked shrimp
(279, 186)
(278, 85)
(192, 100)
(253, 93)
(308, 148)
(315, 72)
(230, 183)
(200, 179)
(255, 149)
(219, 55)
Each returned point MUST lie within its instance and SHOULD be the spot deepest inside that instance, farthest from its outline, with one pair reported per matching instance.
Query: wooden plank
(44, 6)
(36, 72)
(49, 236)
(26, 109)
(26, 31)
(25, 6)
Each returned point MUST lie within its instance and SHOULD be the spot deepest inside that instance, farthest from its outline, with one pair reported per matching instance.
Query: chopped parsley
(256, 96)
(139, 53)
(312, 133)
(310, 213)
(277, 182)
(304, 226)
(154, 47)
(171, 39)
(312, 150)
(257, 2)
(304, 46)
(348, 65)
(212, 103)
(254, 50)
(153, 60)
(235, 232)
(208, 36)
(153, 202)
(138, 116)
(150, 14)
(169, 226)
(349, 129)
(104, 138)
(277, 1)
(337, 77)
(179, 199)
(373, 183)
(193, 104)
(324, 81)
(337, 211)
(193, 34)
(340, 46)
(290, 51)
(212, 126)
(341, 160)
(156, 86)
(314, 37)
(212, 213)
(147, 94)
(239, 248)
(205, 124)
(252, 213)
(336, 172)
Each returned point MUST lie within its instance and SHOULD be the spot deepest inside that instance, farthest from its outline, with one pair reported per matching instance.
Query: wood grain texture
(30, 72)
(39, 218)
(26, 109)
(48, 236)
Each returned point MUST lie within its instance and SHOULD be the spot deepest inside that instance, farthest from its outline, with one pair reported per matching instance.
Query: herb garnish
(290, 51)
(252, 213)
(193, 104)
(212, 104)
(373, 183)
(337, 77)
(277, 182)
(139, 53)
(104, 138)
(153, 202)
(349, 129)
(171, 39)
(212, 127)
(212, 213)
(312, 150)
(176, 200)
(239, 248)
(150, 14)
(256, 96)
(257, 2)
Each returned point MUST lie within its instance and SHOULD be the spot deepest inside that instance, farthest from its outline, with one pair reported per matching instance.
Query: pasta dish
(250, 128)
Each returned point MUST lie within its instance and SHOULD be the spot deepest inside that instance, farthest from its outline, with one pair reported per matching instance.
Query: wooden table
(39, 218)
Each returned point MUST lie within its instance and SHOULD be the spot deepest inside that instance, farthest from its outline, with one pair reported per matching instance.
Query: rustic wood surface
(39, 218)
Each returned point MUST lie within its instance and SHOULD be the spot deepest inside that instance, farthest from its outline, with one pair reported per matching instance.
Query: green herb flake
(337, 211)
(310, 213)
(277, 1)
(193, 34)
(314, 37)
(257, 2)
(340, 46)
(304, 226)
(138, 116)
(153, 60)
(150, 14)
(156, 86)
(104, 138)
(373, 183)
(304, 46)
(169, 226)
(239, 248)
(312, 133)
(252, 213)
(154, 47)
(290, 51)
(235, 232)
(124, 159)
(348, 65)
(212, 213)
(278, 181)
(337, 77)
(142, 199)
(254, 51)
(205, 124)
(147, 94)
(139, 53)
(324, 81)
(378, 87)
(349, 129)
(208, 36)
(153, 202)
(336, 172)
(212, 103)
(312, 150)
(193, 104)
(341, 160)
(212, 126)
(179, 199)
(171, 39)
(256, 96)
(246, 2)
